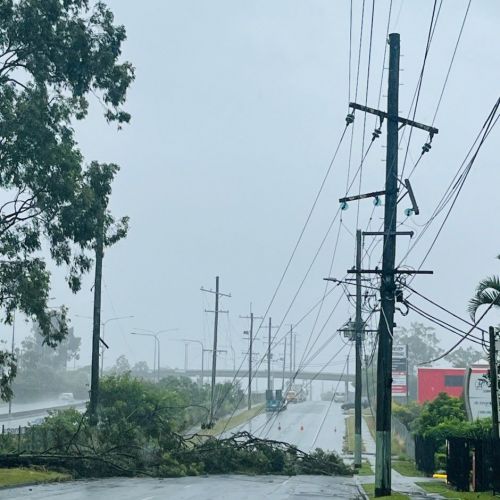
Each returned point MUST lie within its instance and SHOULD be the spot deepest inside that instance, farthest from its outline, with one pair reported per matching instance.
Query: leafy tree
(141, 368)
(53, 55)
(121, 365)
(422, 343)
(461, 357)
(487, 293)
(443, 409)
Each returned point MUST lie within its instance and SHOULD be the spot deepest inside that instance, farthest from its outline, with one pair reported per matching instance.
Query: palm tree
(487, 293)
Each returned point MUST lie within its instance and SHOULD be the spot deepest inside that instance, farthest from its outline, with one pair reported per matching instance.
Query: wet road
(194, 488)
(308, 425)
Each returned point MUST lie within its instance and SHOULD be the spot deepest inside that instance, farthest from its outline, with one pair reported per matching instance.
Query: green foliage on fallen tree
(139, 433)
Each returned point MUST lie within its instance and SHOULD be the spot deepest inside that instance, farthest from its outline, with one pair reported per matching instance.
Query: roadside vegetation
(370, 491)
(19, 476)
(141, 431)
(441, 488)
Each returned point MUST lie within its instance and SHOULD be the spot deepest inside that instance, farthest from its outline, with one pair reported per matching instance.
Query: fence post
(19, 440)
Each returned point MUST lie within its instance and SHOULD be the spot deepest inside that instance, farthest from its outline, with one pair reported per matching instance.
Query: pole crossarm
(396, 271)
(403, 121)
(373, 194)
(382, 233)
(220, 294)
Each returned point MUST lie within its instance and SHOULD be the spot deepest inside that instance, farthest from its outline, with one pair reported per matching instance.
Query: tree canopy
(422, 343)
(55, 55)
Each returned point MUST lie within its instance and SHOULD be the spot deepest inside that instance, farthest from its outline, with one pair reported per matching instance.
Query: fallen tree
(140, 433)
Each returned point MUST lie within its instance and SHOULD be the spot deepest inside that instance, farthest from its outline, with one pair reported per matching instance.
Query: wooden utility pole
(494, 383)
(250, 353)
(358, 338)
(291, 355)
(269, 353)
(284, 367)
(96, 330)
(388, 286)
(269, 356)
(250, 356)
(216, 312)
(388, 283)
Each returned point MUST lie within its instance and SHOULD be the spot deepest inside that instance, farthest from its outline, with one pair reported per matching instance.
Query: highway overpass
(275, 374)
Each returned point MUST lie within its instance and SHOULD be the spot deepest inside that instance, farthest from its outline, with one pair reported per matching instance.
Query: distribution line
(462, 339)
(443, 324)
(331, 401)
(442, 308)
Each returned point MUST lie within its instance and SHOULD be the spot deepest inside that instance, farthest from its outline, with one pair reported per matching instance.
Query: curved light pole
(156, 341)
(202, 355)
(103, 343)
(156, 333)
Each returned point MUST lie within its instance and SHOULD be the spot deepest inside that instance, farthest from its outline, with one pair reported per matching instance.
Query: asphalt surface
(308, 425)
(194, 488)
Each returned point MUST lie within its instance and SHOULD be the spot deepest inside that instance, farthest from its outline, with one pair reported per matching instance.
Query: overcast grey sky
(236, 112)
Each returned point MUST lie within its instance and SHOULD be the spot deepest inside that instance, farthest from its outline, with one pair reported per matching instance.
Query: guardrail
(5, 417)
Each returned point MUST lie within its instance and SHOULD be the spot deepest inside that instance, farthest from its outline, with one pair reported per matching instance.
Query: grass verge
(406, 468)
(397, 445)
(370, 491)
(366, 469)
(443, 489)
(20, 476)
(349, 435)
(226, 424)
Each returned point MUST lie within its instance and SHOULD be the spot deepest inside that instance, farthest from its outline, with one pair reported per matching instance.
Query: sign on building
(400, 370)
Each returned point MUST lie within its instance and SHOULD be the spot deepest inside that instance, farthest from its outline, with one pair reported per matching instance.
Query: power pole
(388, 282)
(359, 333)
(291, 355)
(250, 353)
(494, 383)
(216, 312)
(269, 354)
(284, 367)
(96, 330)
(346, 383)
(388, 286)
(250, 356)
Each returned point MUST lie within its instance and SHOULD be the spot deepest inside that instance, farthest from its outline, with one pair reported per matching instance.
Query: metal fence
(402, 431)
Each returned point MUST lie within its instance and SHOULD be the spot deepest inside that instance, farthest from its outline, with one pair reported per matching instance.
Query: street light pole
(157, 353)
(103, 325)
(154, 356)
(202, 355)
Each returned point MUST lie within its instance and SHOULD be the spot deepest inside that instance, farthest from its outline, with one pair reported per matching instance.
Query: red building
(432, 381)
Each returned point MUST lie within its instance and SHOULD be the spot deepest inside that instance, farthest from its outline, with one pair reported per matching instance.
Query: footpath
(400, 484)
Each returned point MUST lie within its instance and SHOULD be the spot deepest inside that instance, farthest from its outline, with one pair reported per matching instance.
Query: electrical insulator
(344, 205)
(399, 295)
(426, 148)
(376, 133)
(349, 118)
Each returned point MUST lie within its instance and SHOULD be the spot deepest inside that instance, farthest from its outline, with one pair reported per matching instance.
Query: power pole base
(382, 464)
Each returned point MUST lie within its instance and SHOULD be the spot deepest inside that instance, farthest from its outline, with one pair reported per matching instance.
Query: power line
(441, 307)
(462, 339)
(451, 62)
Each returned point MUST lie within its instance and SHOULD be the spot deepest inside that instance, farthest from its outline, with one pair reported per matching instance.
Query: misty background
(237, 109)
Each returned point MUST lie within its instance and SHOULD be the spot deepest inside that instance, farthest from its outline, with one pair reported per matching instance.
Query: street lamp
(155, 334)
(156, 341)
(103, 343)
(202, 355)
